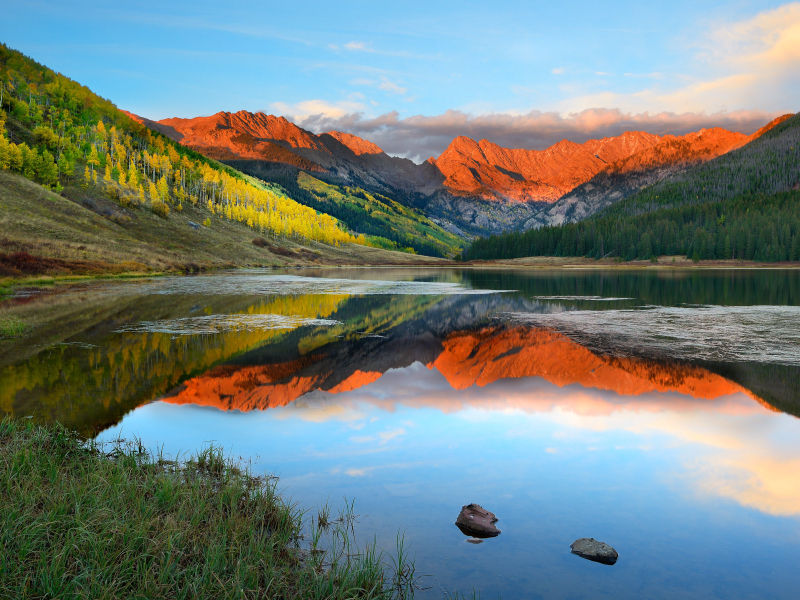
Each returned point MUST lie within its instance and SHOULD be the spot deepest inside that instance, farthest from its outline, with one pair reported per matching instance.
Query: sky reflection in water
(660, 476)
(556, 406)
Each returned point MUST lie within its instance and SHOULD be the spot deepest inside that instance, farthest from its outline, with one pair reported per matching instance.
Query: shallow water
(656, 411)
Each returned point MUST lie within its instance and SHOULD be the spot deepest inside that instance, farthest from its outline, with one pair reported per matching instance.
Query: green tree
(46, 169)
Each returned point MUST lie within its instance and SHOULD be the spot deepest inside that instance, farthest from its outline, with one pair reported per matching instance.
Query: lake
(655, 410)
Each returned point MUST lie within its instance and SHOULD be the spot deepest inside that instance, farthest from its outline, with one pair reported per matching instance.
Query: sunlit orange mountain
(466, 168)
(490, 171)
(466, 359)
(629, 174)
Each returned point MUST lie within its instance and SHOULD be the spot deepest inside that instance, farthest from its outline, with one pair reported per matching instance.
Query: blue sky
(411, 74)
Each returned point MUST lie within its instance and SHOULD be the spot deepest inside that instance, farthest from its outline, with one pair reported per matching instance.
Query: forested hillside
(384, 221)
(768, 164)
(742, 205)
(56, 132)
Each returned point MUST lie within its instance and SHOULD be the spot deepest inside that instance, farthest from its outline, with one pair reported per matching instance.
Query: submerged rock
(476, 521)
(591, 549)
(473, 540)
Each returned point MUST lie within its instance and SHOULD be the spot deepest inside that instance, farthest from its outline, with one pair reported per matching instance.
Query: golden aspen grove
(71, 132)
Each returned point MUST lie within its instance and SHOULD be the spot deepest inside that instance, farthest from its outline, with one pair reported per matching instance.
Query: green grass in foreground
(80, 522)
(11, 326)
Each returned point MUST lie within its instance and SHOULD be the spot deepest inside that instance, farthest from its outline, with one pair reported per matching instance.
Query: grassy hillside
(58, 133)
(91, 190)
(88, 233)
(742, 205)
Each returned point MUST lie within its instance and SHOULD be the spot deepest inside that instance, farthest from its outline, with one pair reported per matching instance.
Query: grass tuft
(82, 521)
(12, 326)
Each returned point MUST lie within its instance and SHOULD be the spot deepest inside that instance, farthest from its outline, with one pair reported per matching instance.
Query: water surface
(654, 410)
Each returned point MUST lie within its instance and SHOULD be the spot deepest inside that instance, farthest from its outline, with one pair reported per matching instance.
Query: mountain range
(473, 187)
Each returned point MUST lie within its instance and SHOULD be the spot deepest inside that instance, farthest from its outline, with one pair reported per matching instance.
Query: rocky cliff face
(475, 187)
(491, 172)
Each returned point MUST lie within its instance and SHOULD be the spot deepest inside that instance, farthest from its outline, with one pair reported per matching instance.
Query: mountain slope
(61, 136)
(475, 187)
(490, 171)
(744, 204)
(627, 176)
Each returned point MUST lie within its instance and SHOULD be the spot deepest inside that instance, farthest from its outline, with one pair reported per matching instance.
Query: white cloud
(558, 71)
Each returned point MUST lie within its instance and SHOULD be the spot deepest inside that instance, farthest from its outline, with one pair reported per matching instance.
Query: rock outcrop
(591, 549)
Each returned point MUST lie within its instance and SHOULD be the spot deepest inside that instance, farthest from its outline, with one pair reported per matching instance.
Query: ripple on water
(764, 334)
(211, 324)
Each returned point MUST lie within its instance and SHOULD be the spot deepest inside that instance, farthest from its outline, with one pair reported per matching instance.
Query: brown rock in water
(476, 521)
(591, 549)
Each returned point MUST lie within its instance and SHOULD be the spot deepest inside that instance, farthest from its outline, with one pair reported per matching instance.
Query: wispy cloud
(362, 46)
(382, 83)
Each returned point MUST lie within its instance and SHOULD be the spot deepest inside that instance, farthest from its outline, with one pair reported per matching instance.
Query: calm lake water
(653, 410)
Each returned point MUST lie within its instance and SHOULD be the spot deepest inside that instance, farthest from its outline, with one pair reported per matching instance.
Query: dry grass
(91, 226)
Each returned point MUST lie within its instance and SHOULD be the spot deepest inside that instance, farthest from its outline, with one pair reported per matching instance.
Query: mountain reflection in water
(465, 358)
(563, 402)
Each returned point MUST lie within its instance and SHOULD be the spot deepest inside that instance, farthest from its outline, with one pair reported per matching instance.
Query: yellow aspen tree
(142, 198)
(87, 176)
(93, 160)
(163, 189)
(107, 175)
(153, 192)
(94, 176)
(122, 178)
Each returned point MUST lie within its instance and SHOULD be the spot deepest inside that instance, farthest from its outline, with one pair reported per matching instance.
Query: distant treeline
(760, 228)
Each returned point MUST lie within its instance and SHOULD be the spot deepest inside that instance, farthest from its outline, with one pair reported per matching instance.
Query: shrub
(160, 208)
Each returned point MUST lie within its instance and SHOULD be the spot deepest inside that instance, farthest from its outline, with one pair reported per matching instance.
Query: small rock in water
(476, 521)
(591, 549)
(474, 541)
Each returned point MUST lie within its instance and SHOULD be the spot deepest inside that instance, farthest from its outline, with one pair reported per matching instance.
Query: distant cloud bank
(418, 137)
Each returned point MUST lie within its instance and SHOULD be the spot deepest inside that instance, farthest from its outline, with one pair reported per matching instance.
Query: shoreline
(521, 264)
(146, 526)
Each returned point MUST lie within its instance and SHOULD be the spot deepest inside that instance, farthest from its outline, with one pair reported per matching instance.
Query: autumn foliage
(72, 133)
